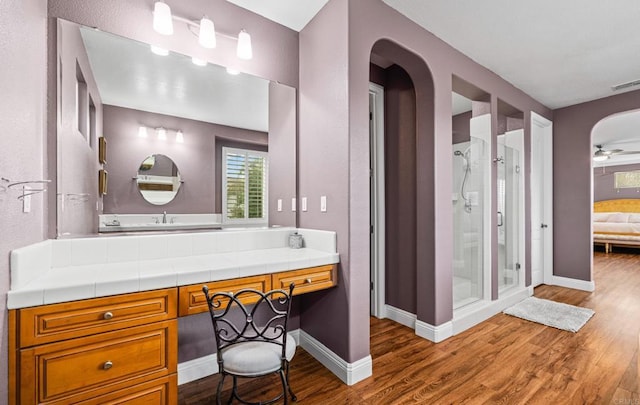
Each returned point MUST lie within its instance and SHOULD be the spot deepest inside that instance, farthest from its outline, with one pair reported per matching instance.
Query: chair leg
(219, 391)
(293, 396)
(234, 390)
(285, 386)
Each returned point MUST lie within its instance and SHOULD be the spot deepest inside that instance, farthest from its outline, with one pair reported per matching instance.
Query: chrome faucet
(164, 217)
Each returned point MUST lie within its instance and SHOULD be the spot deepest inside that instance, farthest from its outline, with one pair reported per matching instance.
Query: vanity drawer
(192, 300)
(163, 391)
(80, 369)
(307, 280)
(55, 322)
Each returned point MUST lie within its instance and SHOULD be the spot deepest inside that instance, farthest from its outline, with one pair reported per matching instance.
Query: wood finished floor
(504, 360)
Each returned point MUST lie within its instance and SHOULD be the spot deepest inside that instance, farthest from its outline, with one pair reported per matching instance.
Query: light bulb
(179, 137)
(162, 20)
(244, 50)
(162, 133)
(207, 34)
(142, 132)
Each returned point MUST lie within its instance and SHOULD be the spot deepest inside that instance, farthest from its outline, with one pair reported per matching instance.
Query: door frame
(542, 127)
(377, 200)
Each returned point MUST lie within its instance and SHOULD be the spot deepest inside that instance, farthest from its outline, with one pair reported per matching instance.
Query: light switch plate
(279, 204)
(293, 203)
(303, 202)
(323, 203)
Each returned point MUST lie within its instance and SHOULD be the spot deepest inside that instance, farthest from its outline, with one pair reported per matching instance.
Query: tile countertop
(66, 270)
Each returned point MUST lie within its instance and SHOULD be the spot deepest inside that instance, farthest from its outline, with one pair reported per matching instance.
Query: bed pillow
(619, 217)
(634, 218)
(601, 216)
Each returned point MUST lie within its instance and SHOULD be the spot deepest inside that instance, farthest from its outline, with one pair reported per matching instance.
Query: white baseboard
(208, 365)
(434, 333)
(197, 368)
(349, 373)
(471, 315)
(573, 283)
(401, 316)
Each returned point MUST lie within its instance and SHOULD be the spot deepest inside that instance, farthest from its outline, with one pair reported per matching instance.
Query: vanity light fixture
(207, 33)
(142, 132)
(204, 29)
(179, 137)
(244, 50)
(162, 18)
(162, 133)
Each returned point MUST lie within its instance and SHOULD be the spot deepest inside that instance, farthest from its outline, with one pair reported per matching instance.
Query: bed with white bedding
(616, 223)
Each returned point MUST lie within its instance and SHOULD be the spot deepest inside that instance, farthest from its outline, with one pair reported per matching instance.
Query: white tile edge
(205, 366)
(349, 373)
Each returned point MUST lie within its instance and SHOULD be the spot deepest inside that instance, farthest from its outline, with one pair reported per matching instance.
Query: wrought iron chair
(250, 329)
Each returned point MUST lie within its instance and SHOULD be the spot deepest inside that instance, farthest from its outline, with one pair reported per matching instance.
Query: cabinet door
(192, 300)
(79, 369)
(162, 391)
(55, 322)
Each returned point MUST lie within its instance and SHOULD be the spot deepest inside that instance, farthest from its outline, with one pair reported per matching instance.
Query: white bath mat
(551, 313)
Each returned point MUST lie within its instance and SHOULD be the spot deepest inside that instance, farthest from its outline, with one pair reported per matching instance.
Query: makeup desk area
(95, 320)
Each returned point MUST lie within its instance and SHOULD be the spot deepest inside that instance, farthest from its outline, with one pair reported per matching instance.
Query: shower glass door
(470, 164)
(508, 185)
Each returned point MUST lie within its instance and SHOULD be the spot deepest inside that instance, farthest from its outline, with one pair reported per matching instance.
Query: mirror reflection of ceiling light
(204, 29)
(159, 51)
(162, 133)
(179, 137)
(233, 71)
(600, 158)
(198, 62)
(142, 132)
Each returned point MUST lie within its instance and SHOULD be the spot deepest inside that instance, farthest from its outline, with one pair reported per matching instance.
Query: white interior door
(377, 199)
(541, 200)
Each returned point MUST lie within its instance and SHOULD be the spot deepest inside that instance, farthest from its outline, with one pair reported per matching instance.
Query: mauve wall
(195, 159)
(461, 127)
(329, 62)
(572, 181)
(604, 183)
(400, 189)
(77, 158)
(23, 52)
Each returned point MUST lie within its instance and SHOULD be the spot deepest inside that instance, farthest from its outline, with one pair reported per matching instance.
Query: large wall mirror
(147, 102)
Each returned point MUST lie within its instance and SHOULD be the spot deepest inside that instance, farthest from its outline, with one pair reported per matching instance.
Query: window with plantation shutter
(244, 185)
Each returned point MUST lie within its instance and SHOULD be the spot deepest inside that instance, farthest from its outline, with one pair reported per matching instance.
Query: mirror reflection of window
(244, 187)
(158, 179)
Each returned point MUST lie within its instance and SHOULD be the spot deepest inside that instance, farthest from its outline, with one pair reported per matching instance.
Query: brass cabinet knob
(107, 365)
(308, 281)
(107, 315)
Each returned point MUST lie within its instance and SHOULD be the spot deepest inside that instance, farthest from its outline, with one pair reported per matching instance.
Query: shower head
(458, 153)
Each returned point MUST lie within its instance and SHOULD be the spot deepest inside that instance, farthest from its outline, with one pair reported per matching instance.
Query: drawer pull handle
(308, 281)
(107, 315)
(107, 365)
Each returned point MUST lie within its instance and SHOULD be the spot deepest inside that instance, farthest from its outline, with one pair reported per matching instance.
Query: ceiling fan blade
(628, 152)
(613, 151)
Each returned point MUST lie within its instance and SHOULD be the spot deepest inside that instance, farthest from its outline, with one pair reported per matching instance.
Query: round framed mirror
(158, 179)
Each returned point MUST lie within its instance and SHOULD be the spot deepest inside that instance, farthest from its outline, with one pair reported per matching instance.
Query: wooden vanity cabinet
(120, 349)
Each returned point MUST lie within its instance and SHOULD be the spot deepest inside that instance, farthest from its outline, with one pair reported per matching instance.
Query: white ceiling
(620, 131)
(294, 14)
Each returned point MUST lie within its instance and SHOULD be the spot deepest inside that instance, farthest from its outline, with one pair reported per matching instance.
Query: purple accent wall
(604, 183)
(400, 189)
(195, 158)
(572, 180)
(23, 52)
(335, 54)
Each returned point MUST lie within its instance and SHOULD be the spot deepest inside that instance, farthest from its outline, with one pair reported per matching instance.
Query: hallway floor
(503, 360)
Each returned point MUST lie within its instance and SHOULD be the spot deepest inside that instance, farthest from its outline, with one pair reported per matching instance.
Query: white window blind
(244, 185)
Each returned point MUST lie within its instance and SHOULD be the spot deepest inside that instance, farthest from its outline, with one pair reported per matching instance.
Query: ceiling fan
(602, 154)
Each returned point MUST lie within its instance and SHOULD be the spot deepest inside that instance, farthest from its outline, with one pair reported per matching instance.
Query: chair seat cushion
(256, 358)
